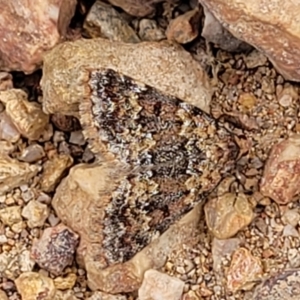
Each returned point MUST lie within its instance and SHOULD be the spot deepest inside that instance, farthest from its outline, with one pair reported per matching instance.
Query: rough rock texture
(104, 21)
(28, 117)
(65, 282)
(14, 262)
(265, 25)
(184, 28)
(55, 249)
(281, 178)
(53, 171)
(227, 214)
(244, 270)
(284, 285)
(33, 286)
(166, 66)
(136, 8)
(157, 286)
(10, 215)
(36, 213)
(31, 28)
(14, 173)
(79, 202)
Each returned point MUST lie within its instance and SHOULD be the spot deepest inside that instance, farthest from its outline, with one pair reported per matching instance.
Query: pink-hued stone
(31, 28)
(55, 249)
(281, 179)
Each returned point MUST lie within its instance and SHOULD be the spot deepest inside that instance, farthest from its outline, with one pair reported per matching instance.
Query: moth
(173, 155)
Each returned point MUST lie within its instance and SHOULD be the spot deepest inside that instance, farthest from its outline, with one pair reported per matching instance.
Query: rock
(191, 295)
(103, 296)
(77, 138)
(77, 203)
(255, 59)
(14, 262)
(244, 270)
(32, 153)
(281, 178)
(288, 96)
(104, 21)
(53, 220)
(165, 65)
(44, 198)
(55, 250)
(65, 295)
(33, 286)
(3, 239)
(247, 101)
(293, 258)
(184, 28)
(87, 155)
(3, 295)
(31, 28)
(8, 130)
(157, 286)
(215, 33)
(150, 31)
(10, 215)
(47, 134)
(28, 117)
(65, 123)
(227, 214)
(291, 216)
(264, 25)
(66, 282)
(221, 249)
(290, 230)
(36, 213)
(283, 285)
(53, 171)
(136, 7)
(14, 173)
(6, 81)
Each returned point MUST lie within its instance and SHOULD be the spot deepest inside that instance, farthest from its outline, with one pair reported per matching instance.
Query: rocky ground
(246, 244)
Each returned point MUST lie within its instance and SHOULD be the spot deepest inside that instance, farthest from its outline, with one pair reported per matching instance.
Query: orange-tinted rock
(184, 28)
(164, 65)
(264, 25)
(227, 214)
(31, 28)
(281, 178)
(33, 286)
(27, 116)
(244, 270)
